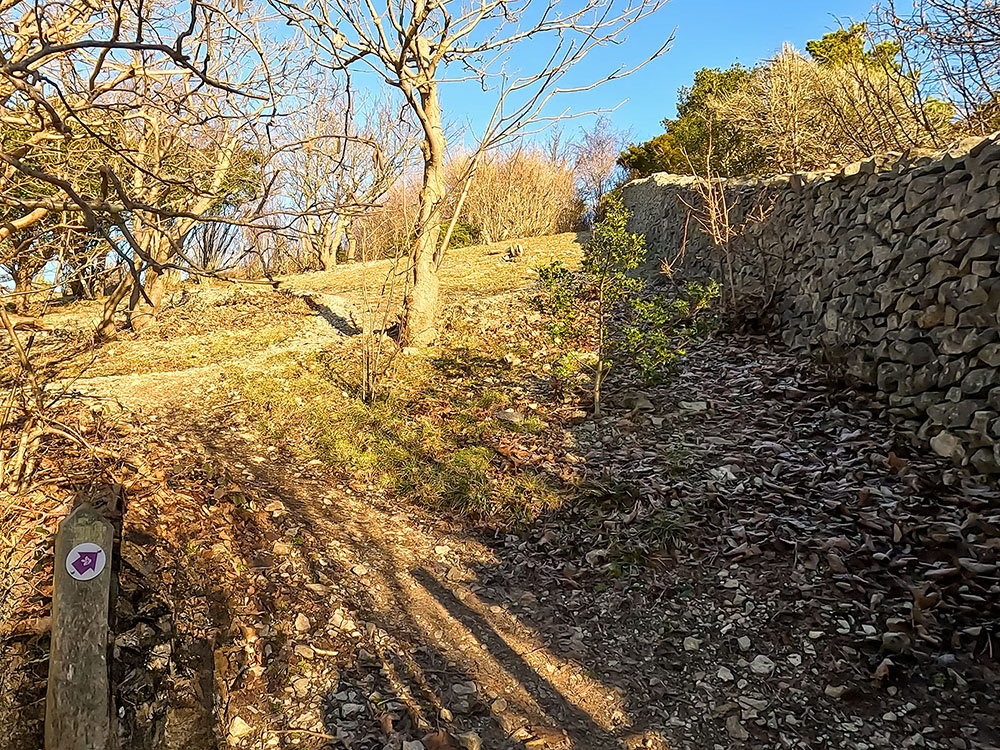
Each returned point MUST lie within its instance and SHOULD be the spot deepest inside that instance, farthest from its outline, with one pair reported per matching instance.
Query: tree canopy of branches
(596, 160)
(340, 158)
(952, 48)
(130, 123)
(416, 46)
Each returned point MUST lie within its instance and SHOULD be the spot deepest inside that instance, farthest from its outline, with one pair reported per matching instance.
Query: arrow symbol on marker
(85, 561)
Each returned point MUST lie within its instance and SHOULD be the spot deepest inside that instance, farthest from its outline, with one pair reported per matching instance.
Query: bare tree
(415, 46)
(216, 246)
(310, 165)
(728, 230)
(952, 49)
(160, 101)
(343, 155)
(123, 126)
(596, 159)
(25, 253)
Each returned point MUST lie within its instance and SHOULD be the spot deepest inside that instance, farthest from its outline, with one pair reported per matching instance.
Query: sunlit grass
(123, 358)
(430, 441)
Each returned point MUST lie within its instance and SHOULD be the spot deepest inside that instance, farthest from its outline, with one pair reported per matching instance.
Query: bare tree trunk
(145, 300)
(306, 243)
(420, 306)
(331, 244)
(161, 241)
(106, 325)
(20, 285)
(352, 248)
(154, 288)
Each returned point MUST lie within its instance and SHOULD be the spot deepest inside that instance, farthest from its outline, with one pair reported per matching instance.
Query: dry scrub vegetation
(806, 114)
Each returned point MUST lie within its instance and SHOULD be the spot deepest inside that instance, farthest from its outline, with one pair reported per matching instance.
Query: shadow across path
(336, 321)
(578, 725)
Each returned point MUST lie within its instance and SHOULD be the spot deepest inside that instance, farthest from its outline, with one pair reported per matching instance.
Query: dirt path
(332, 319)
(307, 611)
(274, 604)
(390, 597)
(348, 618)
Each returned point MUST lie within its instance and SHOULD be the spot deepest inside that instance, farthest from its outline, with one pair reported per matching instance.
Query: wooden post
(77, 708)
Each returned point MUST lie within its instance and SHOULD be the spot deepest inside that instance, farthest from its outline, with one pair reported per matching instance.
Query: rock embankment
(889, 268)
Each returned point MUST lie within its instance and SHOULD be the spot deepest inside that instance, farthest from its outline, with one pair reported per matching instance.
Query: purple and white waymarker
(85, 561)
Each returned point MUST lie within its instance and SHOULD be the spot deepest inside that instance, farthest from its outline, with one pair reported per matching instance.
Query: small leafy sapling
(561, 301)
(581, 304)
(661, 327)
(608, 256)
(654, 328)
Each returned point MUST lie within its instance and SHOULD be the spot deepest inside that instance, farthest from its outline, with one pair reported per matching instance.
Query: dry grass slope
(467, 273)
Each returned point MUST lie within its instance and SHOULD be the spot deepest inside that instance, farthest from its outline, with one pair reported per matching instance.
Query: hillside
(737, 557)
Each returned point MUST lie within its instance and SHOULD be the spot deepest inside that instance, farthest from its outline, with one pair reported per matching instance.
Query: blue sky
(710, 33)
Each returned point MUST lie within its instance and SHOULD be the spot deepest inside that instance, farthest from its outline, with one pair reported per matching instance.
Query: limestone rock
(981, 380)
(238, 729)
(953, 414)
(948, 445)
(891, 274)
(990, 355)
(761, 665)
(986, 461)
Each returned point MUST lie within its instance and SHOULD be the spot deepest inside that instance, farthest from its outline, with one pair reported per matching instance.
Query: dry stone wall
(889, 269)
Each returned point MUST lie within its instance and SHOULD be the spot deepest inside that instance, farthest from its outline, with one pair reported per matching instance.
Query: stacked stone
(889, 269)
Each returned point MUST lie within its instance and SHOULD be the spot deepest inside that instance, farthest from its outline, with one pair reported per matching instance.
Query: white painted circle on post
(86, 561)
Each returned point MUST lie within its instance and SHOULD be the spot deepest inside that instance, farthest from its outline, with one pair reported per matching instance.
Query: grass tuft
(431, 442)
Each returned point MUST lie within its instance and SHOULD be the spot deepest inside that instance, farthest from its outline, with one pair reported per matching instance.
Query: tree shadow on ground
(336, 321)
(237, 575)
(534, 683)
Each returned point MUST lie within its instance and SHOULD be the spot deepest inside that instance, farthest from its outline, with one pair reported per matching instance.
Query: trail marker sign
(78, 704)
(86, 561)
